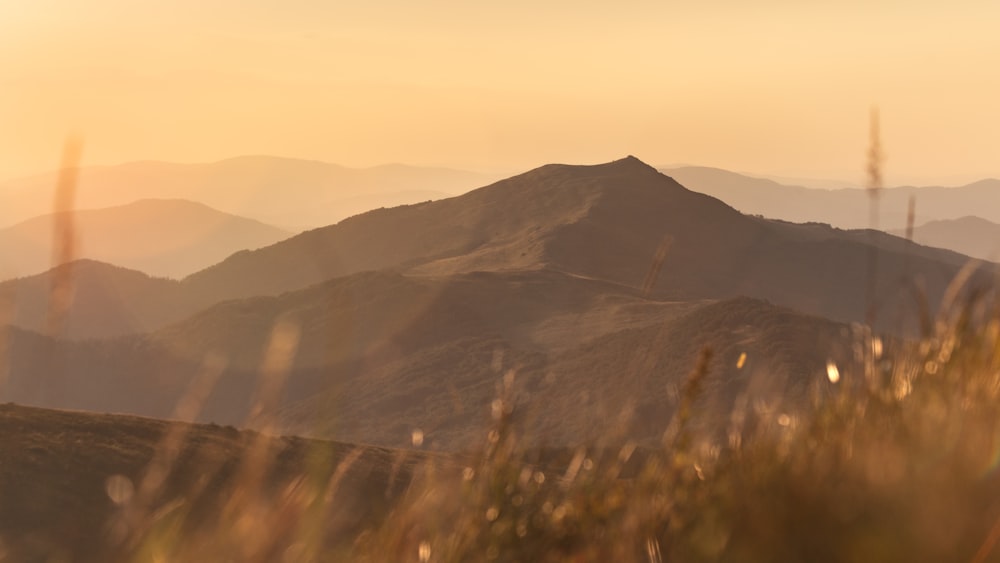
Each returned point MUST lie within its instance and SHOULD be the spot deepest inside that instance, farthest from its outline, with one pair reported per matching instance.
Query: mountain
(107, 300)
(814, 183)
(292, 194)
(769, 198)
(845, 208)
(378, 355)
(583, 292)
(165, 238)
(605, 222)
(972, 236)
(63, 474)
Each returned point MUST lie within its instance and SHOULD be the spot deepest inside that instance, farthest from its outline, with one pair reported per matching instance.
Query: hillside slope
(61, 469)
(348, 327)
(378, 355)
(623, 384)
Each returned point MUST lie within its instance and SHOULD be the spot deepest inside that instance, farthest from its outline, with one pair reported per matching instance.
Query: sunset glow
(768, 87)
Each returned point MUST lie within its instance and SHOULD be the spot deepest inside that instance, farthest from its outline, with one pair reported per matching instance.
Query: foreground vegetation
(893, 461)
(897, 462)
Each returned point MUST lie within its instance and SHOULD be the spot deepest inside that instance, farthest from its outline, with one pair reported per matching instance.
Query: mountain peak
(632, 163)
(629, 163)
(628, 166)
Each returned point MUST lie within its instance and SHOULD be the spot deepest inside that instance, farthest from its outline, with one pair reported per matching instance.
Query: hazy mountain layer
(292, 194)
(165, 238)
(972, 236)
(845, 208)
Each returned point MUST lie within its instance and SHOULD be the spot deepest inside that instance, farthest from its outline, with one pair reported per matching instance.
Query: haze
(771, 87)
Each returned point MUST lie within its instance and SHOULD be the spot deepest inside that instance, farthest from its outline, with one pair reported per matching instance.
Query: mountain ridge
(841, 207)
(606, 222)
(291, 193)
(161, 237)
(971, 235)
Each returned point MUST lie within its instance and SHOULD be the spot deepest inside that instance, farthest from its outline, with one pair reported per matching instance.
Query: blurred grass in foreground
(897, 461)
(898, 464)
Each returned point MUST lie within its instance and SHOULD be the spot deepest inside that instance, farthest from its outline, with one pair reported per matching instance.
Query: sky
(774, 87)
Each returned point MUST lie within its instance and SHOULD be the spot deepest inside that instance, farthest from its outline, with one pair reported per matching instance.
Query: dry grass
(895, 460)
(897, 463)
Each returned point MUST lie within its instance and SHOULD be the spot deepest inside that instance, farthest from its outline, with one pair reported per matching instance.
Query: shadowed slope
(349, 327)
(762, 357)
(622, 385)
(384, 314)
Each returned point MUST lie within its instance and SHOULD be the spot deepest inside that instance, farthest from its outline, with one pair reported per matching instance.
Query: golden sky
(770, 86)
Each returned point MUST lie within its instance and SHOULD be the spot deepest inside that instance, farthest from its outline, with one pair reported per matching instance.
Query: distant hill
(381, 355)
(774, 200)
(289, 193)
(108, 300)
(165, 238)
(970, 235)
(845, 208)
(60, 469)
